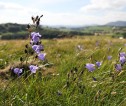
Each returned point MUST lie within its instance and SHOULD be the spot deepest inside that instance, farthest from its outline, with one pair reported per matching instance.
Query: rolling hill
(117, 23)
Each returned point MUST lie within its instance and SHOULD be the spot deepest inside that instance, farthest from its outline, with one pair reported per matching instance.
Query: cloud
(17, 13)
(50, 1)
(12, 6)
(104, 5)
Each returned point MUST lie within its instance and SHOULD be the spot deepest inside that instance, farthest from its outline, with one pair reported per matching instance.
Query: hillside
(117, 23)
(19, 31)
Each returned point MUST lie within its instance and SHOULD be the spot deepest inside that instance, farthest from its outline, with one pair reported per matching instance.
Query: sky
(63, 12)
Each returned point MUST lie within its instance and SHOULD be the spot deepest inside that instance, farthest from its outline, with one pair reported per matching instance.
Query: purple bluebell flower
(125, 44)
(37, 48)
(98, 64)
(17, 71)
(118, 67)
(90, 67)
(33, 68)
(35, 37)
(41, 56)
(122, 60)
(35, 34)
(109, 57)
(122, 54)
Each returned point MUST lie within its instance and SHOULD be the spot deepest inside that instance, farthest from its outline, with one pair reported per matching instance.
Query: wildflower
(90, 67)
(33, 34)
(109, 57)
(35, 37)
(37, 48)
(17, 71)
(98, 64)
(33, 68)
(118, 67)
(41, 56)
(122, 60)
(122, 54)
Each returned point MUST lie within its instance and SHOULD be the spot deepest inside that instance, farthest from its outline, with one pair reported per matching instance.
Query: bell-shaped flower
(90, 67)
(109, 57)
(98, 64)
(35, 37)
(118, 67)
(33, 68)
(41, 56)
(37, 48)
(17, 71)
(122, 60)
(122, 54)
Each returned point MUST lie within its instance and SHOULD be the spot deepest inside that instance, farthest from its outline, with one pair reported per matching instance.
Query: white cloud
(17, 13)
(96, 5)
(50, 1)
(14, 6)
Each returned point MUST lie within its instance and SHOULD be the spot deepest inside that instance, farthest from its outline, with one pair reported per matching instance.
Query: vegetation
(11, 31)
(66, 81)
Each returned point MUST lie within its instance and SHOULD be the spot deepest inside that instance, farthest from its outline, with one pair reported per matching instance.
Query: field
(65, 80)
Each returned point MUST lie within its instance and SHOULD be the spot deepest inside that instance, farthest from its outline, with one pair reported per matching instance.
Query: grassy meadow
(65, 81)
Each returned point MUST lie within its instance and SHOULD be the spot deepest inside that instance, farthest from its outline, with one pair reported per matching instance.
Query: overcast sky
(63, 12)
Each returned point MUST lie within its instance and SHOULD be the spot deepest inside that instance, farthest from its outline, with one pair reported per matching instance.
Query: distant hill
(117, 23)
(19, 31)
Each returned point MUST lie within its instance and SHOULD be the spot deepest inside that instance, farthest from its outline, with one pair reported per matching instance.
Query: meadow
(65, 80)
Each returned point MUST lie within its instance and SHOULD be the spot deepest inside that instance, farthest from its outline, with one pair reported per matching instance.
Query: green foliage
(67, 82)
(18, 31)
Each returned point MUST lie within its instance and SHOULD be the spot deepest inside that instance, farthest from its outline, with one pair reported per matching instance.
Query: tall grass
(66, 82)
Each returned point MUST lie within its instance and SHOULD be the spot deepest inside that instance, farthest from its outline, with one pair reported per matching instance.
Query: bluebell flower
(122, 60)
(33, 68)
(41, 56)
(17, 71)
(35, 37)
(122, 54)
(98, 64)
(118, 67)
(35, 34)
(90, 67)
(109, 57)
(37, 48)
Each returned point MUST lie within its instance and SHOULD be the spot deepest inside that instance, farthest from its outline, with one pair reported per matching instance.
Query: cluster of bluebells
(122, 60)
(37, 48)
(91, 67)
(36, 45)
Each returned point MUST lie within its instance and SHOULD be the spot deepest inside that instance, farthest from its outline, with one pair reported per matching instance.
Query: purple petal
(98, 64)
(122, 54)
(122, 60)
(41, 56)
(109, 57)
(18, 71)
(33, 68)
(90, 67)
(118, 67)
(35, 37)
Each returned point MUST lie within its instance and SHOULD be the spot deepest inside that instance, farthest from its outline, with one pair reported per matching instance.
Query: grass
(67, 82)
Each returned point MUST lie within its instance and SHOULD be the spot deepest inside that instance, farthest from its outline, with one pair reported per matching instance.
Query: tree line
(18, 31)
